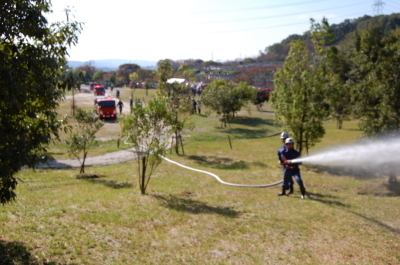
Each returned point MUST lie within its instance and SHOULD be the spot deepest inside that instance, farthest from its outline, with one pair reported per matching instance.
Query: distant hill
(113, 64)
(279, 51)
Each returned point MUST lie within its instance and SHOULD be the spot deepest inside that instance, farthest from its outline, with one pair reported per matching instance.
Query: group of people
(286, 155)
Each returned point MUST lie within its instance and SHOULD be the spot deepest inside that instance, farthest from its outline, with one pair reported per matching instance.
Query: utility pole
(378, 7)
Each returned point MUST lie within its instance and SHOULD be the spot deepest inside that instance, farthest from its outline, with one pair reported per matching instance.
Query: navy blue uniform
(290, 170)
(281, 159)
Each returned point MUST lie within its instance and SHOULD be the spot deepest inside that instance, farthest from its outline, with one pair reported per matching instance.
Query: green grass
(189, 218)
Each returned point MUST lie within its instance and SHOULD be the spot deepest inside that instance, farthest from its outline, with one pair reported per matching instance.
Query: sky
(218, 30)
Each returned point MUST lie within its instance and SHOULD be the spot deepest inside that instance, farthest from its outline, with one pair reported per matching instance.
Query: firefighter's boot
(283, 192)
(291, 189)
(303, 193)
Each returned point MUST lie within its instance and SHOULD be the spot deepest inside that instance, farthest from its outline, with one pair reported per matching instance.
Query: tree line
(356, 79)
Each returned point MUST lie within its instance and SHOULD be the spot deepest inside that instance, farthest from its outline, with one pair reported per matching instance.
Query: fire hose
(213, 175)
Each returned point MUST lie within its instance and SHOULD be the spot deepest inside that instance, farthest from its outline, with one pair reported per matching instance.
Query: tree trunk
(82, 171)
(143, 176)
(176, 142)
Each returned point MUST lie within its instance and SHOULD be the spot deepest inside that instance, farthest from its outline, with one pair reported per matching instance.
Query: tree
(125, 70)
(113, 79)
(133, 77)
(338, 95)
(89, 69)
(260, 76)
(375, 81)
(73, 79)
(98, 76)
(148, 130)
(83, 135)
(32, 55)
(226, 98)
(144, 74)
(180, 104)
(298, 98)
(331, 67)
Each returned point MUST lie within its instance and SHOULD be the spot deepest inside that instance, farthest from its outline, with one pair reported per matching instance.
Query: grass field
(189, 218)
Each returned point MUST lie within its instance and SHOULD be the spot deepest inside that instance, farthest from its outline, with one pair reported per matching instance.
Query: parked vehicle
(99, 90)
(105, 107)
(263, 94)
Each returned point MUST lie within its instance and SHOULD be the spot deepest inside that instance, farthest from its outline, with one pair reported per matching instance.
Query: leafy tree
(32, 54)
(331, 68)
(113, 79)
(89, 69)
(298, 97)
(144, 74)
(98, 76)
(125, 70)
(73, 79)
(211, 64)
(83, 135)
(375, 81)
(226, 98)
(260, 76)
(148, 130)
(179, 99)
(133, 77)
(338, 95)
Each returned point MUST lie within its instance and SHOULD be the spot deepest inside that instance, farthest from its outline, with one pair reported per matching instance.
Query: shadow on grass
(252, 121)
(393, 185)
(223, 163)
(13, 253)
(326, 199)
(194, 207)
(242, 133)
(110, 183)
(377, 222)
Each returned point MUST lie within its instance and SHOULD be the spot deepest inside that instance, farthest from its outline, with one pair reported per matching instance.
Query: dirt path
(111, 128)
(109, 131)
(101, 160)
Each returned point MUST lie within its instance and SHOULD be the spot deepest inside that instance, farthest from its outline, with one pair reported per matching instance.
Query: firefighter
(291, 169)
(120, 105)
(284, 136)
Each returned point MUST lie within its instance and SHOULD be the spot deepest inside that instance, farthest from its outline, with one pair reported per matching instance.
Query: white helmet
(284, 135)
(289, 140)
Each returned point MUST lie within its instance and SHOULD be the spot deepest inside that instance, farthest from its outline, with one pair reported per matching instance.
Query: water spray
(370, 153)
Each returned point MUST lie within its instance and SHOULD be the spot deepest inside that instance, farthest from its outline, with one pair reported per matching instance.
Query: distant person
(199, 106)
(194, 104)
(118, 93)
(284, 136)
(291, 169)
(120, 106)
(131, 103)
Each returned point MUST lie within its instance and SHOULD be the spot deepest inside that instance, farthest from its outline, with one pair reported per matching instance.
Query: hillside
(279, 51)
(113, 64)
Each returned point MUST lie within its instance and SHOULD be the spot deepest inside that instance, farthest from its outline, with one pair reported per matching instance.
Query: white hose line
(215, 176)
(220, 180)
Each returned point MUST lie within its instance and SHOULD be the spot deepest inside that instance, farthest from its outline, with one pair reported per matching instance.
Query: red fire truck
(105, 107)
(99, 90)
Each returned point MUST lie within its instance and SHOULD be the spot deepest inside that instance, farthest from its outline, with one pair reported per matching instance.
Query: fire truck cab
(105, 107)
(99, 90)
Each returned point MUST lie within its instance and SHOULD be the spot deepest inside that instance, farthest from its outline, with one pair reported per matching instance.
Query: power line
(272, 27)
(256, 8)
(279, 16)
(393, 2)
(393, 7)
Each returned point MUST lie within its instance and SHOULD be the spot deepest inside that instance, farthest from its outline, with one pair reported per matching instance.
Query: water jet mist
(371, 153)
